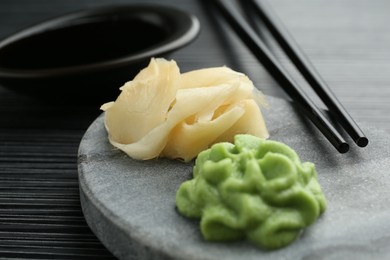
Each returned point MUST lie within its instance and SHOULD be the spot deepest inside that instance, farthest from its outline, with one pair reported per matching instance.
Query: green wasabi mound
(254, 189)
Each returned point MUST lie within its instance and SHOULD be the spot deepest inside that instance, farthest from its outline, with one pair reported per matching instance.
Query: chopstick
(308, 71)
(271, 64)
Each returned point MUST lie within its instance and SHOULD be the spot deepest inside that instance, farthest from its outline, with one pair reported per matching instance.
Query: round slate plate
(130, 205)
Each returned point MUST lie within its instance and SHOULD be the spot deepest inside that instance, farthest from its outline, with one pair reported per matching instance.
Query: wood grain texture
(347, 40)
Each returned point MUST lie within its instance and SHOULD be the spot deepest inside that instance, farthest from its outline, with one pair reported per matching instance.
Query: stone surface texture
(130, 205)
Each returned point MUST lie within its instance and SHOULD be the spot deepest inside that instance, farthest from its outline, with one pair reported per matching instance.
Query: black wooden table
(40, 215)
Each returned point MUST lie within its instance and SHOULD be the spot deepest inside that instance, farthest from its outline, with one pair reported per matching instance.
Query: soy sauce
(82, 43)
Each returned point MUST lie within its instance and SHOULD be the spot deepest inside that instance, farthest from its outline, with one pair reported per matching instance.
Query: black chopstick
(260, 50)
(302, 63)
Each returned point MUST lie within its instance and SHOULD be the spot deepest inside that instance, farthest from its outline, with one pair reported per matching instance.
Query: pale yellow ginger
(163, 113)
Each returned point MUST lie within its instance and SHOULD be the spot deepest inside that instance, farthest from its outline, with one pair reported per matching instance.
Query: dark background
(40, 216)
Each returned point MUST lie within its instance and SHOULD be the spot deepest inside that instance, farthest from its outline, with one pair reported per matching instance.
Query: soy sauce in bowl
(92, 53)
(81, 44)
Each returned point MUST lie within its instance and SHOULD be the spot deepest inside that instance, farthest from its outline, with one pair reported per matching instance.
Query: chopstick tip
(343, 147)
(362, 141)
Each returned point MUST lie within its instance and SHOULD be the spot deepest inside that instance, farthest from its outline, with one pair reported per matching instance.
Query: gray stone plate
(130, 205)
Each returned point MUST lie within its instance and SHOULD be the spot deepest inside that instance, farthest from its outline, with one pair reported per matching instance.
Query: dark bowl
(90, 54)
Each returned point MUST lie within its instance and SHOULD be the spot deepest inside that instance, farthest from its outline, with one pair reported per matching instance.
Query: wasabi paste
(254, 189)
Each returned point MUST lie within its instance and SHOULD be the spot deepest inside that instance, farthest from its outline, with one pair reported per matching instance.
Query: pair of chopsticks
(249, 36)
